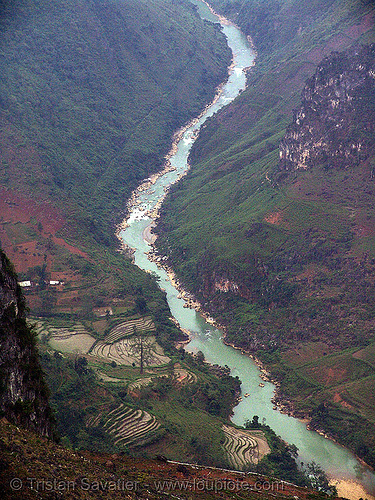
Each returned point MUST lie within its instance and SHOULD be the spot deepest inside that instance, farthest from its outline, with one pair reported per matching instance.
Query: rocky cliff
(335, 124)
(23, 393)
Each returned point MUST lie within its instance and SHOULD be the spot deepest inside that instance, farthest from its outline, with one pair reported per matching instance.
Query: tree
(293, 450)
(48, 302)
(200, 357)
(81, 365)
(140, 305)
(141, 348)
(319, 480)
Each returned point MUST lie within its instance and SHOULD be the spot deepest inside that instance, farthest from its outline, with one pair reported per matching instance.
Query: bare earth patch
(79, 344)
(274, 218)
(73, 339)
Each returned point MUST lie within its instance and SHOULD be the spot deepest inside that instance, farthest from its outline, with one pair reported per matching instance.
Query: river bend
(338, 462)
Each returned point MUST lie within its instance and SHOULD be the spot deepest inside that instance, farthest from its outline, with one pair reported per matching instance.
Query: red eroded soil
(338, 399)
(21, 215)
(71, 248)
(359, 29)
(308, 274)
(28, 255)
(15, 207)
(340, 41)
(274, 218)
(329, 376)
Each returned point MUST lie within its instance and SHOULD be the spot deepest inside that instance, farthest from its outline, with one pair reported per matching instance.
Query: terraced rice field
(244, 447)
(94, 420)
(44, 328)
(126, 352)
(129, 427)
(141, 382)
(127, 328)
(183, 376)
(106, 378)
(180, 377)
(73, 339)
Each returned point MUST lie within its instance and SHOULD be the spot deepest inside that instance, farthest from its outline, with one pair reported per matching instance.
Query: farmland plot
(73, 339)
(125, 352)
(244, 447)
(127, 328)
(128, 427)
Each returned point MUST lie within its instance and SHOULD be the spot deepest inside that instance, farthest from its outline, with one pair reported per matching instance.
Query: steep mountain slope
(335, 124)
(98, 88)
(32, 465)
(23, 392)
(283, 255)
(91, 93)
(179, 411)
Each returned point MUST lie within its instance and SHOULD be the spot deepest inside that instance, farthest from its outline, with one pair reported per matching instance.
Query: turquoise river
(338, 462)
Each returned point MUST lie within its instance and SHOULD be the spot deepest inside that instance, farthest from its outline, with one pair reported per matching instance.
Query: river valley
(341, 466)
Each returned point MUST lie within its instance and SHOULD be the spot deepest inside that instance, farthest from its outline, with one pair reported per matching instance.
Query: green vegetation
(179, 411)
(281, 460)
(25, 455)
(244, 448)
(92, 93)
(176, 410)
(295, 250)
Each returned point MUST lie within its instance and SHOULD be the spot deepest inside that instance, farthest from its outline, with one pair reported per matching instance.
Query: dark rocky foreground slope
(32, 467)
(23, 392)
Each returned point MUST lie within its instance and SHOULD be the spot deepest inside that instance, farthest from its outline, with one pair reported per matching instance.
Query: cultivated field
(127, 328)
(180, 377)
(73, 339)
(244, 447)
(129, 427)
(127, 352)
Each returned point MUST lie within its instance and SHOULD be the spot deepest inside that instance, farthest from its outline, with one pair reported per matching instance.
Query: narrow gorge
(256, 395)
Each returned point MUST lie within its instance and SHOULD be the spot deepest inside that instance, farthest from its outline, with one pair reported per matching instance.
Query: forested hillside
(91, 93)
(96, 90)
(281, 252)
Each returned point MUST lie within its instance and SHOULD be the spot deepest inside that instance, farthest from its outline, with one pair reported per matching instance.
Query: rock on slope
(23, 393)
(335, 124)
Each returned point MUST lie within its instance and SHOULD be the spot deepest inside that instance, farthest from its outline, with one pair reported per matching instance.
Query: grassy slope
(91, 93)
(183, 402)
(304, 271)
(99, 88)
